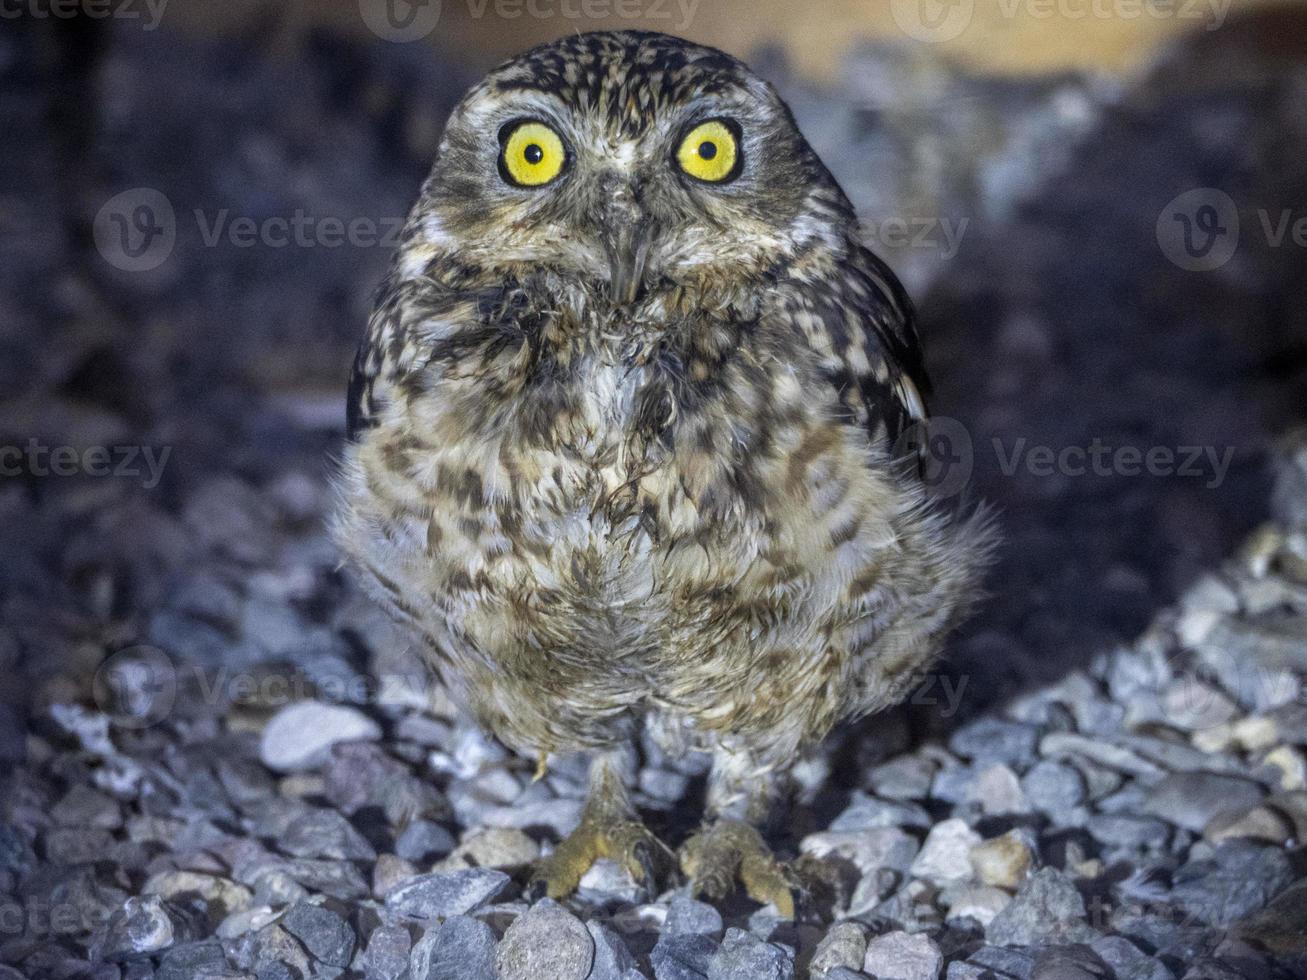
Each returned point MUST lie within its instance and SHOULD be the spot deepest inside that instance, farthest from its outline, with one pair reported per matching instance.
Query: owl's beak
(628, 240)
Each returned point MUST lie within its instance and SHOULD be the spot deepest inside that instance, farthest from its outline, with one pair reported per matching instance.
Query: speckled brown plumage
(620, 445)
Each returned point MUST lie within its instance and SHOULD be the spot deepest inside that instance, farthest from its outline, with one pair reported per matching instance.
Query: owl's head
(627, 160)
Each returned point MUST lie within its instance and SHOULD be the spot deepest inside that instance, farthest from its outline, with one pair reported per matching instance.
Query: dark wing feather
(860, 321)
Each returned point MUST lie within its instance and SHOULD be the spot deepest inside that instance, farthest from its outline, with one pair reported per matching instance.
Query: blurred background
(1099, 206)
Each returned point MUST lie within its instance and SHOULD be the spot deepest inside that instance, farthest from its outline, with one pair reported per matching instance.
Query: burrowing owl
(619, 440)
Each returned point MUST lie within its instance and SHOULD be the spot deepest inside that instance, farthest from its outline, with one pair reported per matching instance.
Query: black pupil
(707, 149)
(534, 153)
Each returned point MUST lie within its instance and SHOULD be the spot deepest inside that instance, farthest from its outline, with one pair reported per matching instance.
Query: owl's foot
(729, 851)
(623, 839)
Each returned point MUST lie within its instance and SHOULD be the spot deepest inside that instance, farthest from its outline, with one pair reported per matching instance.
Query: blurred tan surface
(1010, 36)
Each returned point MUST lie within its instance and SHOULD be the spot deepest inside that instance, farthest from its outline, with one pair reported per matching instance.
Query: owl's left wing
(860, 322)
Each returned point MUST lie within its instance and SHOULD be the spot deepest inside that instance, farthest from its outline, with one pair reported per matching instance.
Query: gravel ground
(219, 761)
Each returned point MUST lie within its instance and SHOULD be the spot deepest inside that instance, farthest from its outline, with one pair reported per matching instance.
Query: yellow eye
(710, 152)
(532, 154)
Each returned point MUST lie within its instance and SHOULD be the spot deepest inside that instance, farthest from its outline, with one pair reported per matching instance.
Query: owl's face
(628, 160)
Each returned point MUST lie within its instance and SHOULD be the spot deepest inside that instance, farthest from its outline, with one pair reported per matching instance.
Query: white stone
(300, 734)
(945, 857)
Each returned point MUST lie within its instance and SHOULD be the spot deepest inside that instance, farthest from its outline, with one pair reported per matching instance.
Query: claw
(729, 851)
(625, 840)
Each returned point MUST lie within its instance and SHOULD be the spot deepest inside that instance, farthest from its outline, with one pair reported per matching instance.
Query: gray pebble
(324, 934)
(547, 941)
(1070, 963)
(1116, 830)
(1053, 787)
(688, 917)
(866, 812)
(612, 958)
(844, 945)
(300, 735)
(387, 956)
(904, 956)
(1046, 908)
(320, 833)
(1128, 961)
(423, 841)
(460, 948)
(454, 893)
(1239, 878)
(989, 740)
(743, 956)
(1191, 799)
(682, 957)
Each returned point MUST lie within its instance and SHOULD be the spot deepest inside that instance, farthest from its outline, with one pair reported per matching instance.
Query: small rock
(684, 957)
(146, 924)
(990, 740)
(494, 847)
(903, 956)
(387, 955)
(1191, 799)
(612, 959)
(1053, 788)
(1048, 908)
(998, 791)
(1070, 963)
(1116, 830)
(438, 895)
(866, 813)
(300, 735)
(1281, 926)
(460, 948)
(1128, 961)
(321, 833)
(979, 902)
(424, 841)
(1239, 878)
(1291, 765)
(83, 806)
(993, 962)
(1257, 823)
(687, 917)
(905, 778)
(844, 945)
(743, 956)
(547, 941)
(945, 856)
(1003, 861)
(389, 872)
(325, 934)
(868, 850)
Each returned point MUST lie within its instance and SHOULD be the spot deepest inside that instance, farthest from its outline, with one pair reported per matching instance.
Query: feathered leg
(609, 828)
(730, 848)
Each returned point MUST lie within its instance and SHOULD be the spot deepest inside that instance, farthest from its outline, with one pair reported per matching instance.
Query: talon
(729, 851)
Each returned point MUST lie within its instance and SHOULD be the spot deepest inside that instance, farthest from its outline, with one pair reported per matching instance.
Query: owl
(621, 436)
